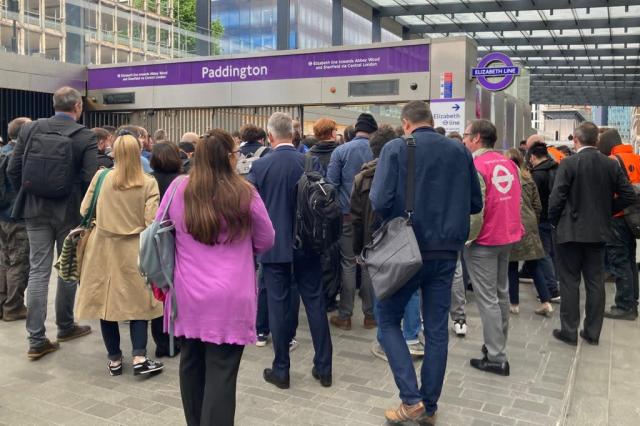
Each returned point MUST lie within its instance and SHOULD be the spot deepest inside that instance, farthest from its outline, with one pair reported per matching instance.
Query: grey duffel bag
(393, 256)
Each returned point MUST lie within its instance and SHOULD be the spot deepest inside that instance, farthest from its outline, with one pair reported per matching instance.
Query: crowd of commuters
(484, 220)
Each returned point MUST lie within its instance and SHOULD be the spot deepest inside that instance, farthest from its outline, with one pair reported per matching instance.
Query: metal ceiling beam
(562, 40)
(595, 99)
(495, 6)
(535, 71)
(582, 62)
(586, 94)
(582, 101)
(583, 24)
(541, 98)
(549, 53)
(551, 79)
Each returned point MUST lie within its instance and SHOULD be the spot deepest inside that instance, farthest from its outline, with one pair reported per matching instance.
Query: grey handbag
(393, 256)
(156, 260)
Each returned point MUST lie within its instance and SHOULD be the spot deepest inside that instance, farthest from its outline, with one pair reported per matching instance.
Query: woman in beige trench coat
(111, 288)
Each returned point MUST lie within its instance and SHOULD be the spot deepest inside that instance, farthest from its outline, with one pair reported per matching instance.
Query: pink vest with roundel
(502, 224)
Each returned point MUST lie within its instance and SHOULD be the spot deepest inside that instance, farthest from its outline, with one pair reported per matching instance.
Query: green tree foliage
(184, 15)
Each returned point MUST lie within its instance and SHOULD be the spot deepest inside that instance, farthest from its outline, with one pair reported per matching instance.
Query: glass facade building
(95, 31)
(621, 117)
(251, 25)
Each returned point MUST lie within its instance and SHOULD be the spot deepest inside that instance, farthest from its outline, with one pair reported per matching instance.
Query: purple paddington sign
(508, 72)
(382, 60)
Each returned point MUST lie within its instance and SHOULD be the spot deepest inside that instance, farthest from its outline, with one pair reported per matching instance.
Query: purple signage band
(382, 60)
(508, 71)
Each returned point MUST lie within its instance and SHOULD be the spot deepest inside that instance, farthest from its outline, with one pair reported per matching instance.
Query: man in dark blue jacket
(275, 176)
(447, 192)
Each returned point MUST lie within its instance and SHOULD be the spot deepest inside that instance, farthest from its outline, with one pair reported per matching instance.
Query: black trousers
(208, 376)
(576, 261)
(307, 273)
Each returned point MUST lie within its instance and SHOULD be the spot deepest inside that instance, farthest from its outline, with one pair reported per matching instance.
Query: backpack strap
(308, 163)
(411, 176)
(624, 168)
(172, 292)
(178, 181)
(72, 130)
(259, 152)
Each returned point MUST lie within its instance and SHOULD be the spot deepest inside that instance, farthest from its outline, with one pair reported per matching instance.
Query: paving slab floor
(72, 386)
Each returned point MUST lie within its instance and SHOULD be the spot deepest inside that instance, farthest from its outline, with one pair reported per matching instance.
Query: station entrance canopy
(438, 71)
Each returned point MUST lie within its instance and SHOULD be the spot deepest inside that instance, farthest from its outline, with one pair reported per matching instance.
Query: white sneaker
(293, 345)
(460, 328)
(262, 339)
(416, 349)
(378, 352)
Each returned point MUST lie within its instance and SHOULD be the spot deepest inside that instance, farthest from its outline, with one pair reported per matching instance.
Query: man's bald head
(533, 139)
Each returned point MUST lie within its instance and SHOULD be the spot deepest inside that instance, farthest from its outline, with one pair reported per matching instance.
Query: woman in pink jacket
(221, 223)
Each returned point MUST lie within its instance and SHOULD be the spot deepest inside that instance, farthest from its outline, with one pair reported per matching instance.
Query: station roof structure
(579, 52)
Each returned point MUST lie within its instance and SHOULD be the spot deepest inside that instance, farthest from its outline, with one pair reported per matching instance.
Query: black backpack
(47, 165)
(318, 221)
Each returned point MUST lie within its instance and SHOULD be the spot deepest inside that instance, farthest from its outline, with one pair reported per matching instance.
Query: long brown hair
(515, 156)
(216, 198)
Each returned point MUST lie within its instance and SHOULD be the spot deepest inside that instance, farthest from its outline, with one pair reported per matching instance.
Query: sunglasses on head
(124, 132)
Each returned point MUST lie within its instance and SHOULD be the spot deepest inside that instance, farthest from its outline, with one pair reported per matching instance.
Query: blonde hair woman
(111, 288)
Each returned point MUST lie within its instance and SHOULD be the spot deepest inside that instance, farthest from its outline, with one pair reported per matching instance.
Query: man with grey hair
(276, 176)
(589, 189)
(50, 206)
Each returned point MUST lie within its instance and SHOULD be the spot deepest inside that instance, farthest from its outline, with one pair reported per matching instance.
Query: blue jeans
(111, 336)
(410, 320)
(546, 264)
(434, 280)
(44, 234)
(538, 281)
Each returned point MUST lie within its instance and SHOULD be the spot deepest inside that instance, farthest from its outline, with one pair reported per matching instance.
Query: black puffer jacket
(544, 175)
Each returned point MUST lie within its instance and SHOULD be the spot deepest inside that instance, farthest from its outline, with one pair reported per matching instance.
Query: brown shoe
(20, 315)
(405, 413)
(39, 352)
(370, 322)
(427, 420)
(344, 324)
(74, 333)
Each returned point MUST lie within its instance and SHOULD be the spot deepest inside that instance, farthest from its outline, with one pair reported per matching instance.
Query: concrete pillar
(75, 42)
(405, 33)
(337, 23)
(283, 24)
(203, 27)
(376, 28)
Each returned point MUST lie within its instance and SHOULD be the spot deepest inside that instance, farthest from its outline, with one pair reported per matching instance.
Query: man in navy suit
(275, 176)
